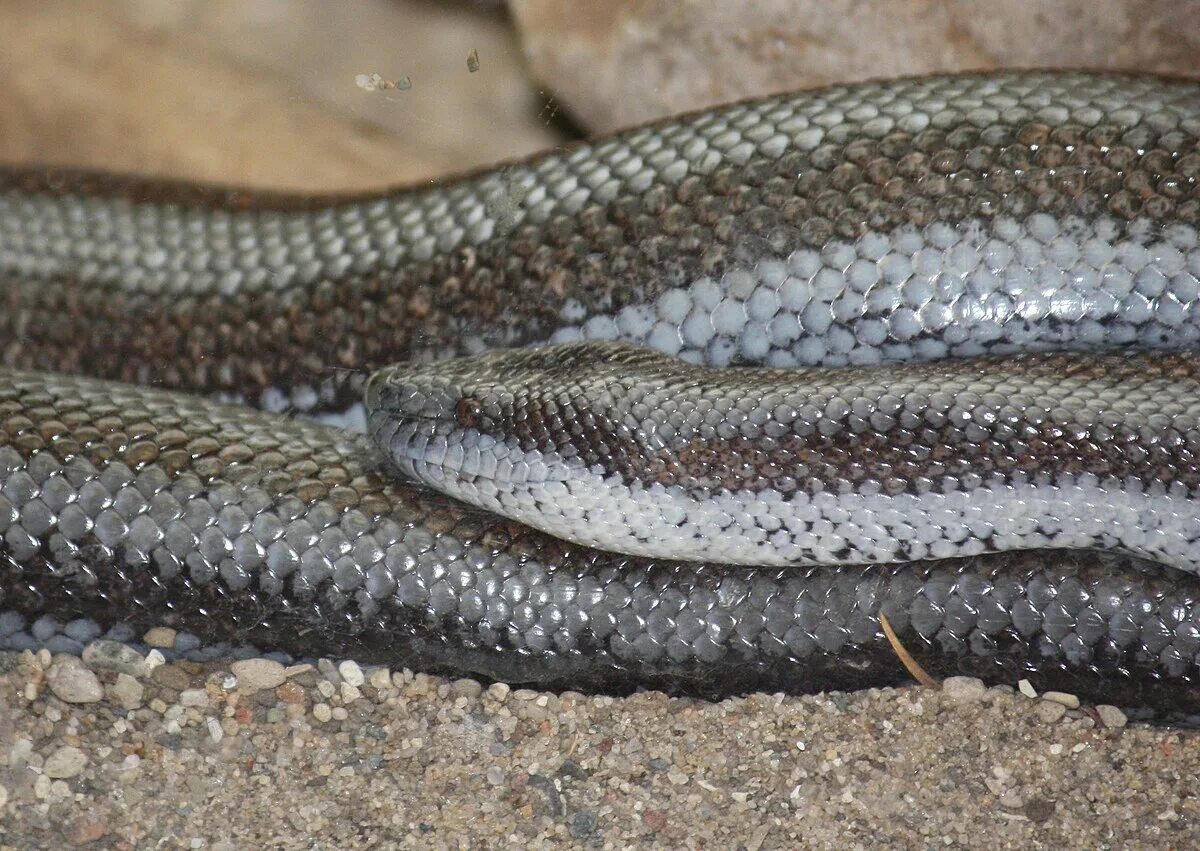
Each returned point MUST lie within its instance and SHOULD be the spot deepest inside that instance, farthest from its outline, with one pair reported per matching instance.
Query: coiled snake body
(856, 227)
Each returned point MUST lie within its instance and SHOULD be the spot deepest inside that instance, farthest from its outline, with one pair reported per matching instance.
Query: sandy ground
(123, 753)
(118, 752)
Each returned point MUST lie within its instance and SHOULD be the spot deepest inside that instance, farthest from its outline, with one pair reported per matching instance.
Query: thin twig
(910, 664)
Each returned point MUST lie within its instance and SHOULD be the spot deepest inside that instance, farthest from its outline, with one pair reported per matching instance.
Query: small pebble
(127, 692)
(160, 636)
(380, 679)
(171, 676)
(329, 670)
(290, 693)
(1026, 688)
(499, 692)
(105, 655)
(65, 762)
(82, 630)
(963, 689)
(1068, 700)
(470, 689)
(71, 682)
(351, 673)
(87, 829)
(1111, 716)
(3, 798)
(1049, 712)
(193, 697)
(322, 712)
(215, 731)
(258, 674)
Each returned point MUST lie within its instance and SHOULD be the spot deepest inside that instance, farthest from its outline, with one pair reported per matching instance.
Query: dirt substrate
(124, 751)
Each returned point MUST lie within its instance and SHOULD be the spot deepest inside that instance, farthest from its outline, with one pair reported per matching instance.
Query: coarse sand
(129, 751)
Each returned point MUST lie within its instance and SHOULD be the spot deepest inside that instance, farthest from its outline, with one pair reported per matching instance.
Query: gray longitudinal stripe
(949, 289)
(290, 301)
(125, 503)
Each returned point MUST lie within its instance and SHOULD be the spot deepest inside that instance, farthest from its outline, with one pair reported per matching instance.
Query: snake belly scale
(858, 226)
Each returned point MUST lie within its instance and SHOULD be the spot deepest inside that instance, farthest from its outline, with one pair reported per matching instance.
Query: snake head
(508, 430)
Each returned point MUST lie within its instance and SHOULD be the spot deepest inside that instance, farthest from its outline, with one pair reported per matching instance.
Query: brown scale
(899, 459)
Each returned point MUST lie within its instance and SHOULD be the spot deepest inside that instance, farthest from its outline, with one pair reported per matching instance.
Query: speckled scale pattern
(628, 450)
(879, 221)
(123, 503)
(912, 219)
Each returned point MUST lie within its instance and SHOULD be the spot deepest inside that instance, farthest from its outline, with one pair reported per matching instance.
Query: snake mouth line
(421, 446)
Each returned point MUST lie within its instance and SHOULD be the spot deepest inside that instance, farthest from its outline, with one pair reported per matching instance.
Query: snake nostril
(468, 411)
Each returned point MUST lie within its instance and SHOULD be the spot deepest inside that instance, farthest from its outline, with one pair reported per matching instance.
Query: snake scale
(181, 427)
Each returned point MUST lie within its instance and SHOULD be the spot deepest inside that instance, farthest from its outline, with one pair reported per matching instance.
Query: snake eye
(468, 411)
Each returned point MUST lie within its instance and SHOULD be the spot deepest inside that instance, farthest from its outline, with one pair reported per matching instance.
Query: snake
(688, 407)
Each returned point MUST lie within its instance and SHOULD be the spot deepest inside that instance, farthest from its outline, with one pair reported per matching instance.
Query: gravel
(340, 755)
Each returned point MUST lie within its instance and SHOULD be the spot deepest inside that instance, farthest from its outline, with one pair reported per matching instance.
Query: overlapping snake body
(625, 449)
(860, 226)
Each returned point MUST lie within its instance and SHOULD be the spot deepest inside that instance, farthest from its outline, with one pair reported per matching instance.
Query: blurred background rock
(264, 92)
(620, 62)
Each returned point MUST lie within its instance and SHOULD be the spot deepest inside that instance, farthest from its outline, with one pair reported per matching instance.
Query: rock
(963, 689)
(1068, 700)
(617, 63)
(64, 763)
(322, 712)
(499, 692)
(1026, 688)
(351, 673)
(127, 692)
(1110, 716)
(258, 674)
(71, 682)
(105, 655)
(1049, 711)
(160, 636)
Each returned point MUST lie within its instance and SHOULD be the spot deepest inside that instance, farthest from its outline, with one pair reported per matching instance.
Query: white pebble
(963, 689)
(193, 697)
(1068, 700)
(351, 673)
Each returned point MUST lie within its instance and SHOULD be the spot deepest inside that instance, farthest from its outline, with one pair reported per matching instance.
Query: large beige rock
(264, 92)
(620, 62)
